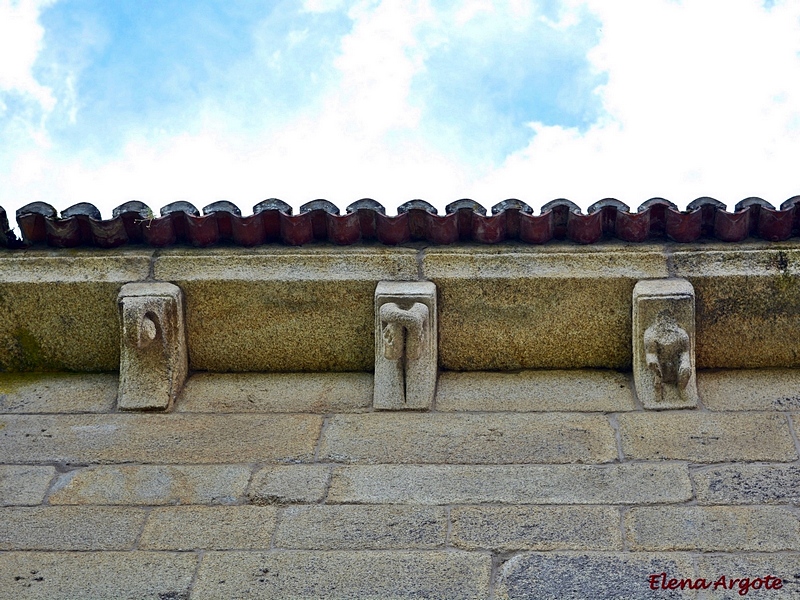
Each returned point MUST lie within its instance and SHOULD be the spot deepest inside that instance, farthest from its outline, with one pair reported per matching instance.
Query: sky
(242, 100)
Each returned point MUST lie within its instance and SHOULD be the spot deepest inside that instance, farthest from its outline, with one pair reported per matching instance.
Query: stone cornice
(501, 307)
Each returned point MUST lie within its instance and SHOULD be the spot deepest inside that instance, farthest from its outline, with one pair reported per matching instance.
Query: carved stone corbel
(153, 357)
(664, 344)
(405, 345)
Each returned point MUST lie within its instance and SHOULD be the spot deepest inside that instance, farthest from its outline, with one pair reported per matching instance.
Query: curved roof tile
(272, 221)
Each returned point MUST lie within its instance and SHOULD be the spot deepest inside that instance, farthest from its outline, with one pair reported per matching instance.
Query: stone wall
(544, 478)
(548, 484)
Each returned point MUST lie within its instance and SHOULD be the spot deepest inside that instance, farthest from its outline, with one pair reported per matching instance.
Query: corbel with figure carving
(663, 344)
(153, 354)
(405, 345)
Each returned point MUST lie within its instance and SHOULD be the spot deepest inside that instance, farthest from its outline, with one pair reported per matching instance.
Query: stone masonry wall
(527, 485)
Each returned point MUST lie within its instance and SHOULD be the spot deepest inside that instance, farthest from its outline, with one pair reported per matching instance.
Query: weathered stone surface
(312, 575)
(751, 567)
(751, 389)
(282, 309)
(276, 392)
(713, 528)
(96, 575)
(706, 437)
(209, 528)
(406, 340)
(56, 393)
(361, 527)
(284, 484)
(157, 438)
(22, 485)
(509, 306)
(747, 484)
(664, 344)
(153, 354)
(152, 485)
(529, 391)
(750, 294)
(520, 307)
(69, 528)
(468, 438)
(58, 311)
(635, 483)
(738, 448)
(513, 528)
(575, 576)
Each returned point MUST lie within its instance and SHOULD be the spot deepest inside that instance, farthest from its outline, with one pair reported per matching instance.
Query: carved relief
(153, 357)
(667, 352)
(405, 345)
(403, 330)
(663, 343)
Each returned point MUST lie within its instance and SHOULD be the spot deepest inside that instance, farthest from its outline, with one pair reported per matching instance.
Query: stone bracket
(405, 345)
(664, 343)
(153, 357)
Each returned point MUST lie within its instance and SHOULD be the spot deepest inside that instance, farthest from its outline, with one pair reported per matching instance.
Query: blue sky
(397, 99)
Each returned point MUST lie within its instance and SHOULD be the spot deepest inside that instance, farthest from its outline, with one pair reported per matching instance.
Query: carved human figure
(403, 330)
(667, 353)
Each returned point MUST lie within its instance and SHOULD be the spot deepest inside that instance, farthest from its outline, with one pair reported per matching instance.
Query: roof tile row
(272, 221)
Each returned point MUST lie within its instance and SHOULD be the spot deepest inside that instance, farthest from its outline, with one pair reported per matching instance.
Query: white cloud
(20, 43)
(322, 5)
(378, 61)
(471, 8)
(361, 141)
(701, 99)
